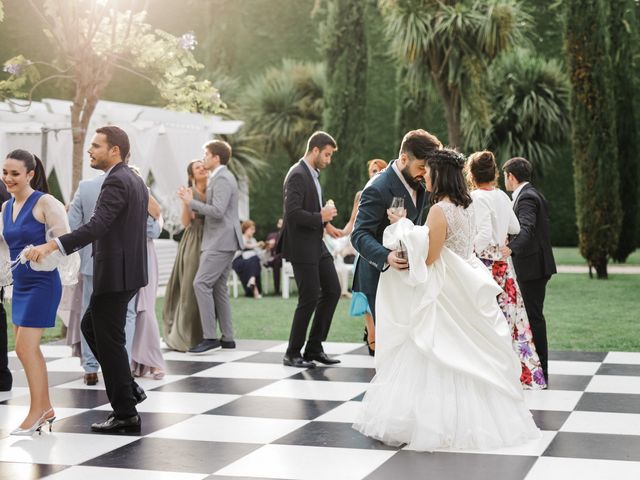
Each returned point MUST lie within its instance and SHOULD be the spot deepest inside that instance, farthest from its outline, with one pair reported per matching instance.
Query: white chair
(286, 274)
(345, 273)
(166, 251)
(266, 273)
(232, 282)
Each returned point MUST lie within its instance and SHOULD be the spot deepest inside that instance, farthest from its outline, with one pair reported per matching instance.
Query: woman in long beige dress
(180, 317)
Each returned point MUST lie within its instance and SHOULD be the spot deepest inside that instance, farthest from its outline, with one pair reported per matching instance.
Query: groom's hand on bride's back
(396, 262)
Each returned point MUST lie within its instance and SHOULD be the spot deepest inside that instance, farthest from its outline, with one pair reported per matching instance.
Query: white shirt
(412, 192)
(495, 218)
(516, 192)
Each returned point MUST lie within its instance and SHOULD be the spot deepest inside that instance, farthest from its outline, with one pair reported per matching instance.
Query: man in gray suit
(80, 211)
(221, 238)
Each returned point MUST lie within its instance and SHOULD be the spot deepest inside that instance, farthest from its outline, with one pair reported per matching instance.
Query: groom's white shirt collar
(412, 192)
(516, 192)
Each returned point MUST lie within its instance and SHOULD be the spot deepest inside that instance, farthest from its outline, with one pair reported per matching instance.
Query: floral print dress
(512, 305)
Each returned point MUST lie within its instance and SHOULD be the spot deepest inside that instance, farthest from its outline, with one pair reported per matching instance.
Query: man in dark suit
(402, 178)
(301, 243)
(531, 249)
(118, 232)
(6, 379)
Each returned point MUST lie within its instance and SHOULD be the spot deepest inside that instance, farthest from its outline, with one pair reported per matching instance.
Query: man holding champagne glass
(397, 191)
(301, 243)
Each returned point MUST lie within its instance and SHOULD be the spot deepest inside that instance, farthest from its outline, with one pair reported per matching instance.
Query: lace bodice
(461, 228)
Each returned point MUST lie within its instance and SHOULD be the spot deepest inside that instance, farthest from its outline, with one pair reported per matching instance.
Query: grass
(582, 314)
(270, 319)
(571, 256)
(593, 315)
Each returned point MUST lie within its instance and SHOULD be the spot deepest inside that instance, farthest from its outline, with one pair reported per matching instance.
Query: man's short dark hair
(520, 168)
(320, 139)
(220, 148)
(116, 137)
(419, 143)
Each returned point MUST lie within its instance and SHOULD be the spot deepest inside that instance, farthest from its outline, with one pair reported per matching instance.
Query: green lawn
(593, 315)
(582, 314)
(571, 256)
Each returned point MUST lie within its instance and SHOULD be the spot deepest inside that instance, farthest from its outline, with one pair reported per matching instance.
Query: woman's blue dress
(36, 295)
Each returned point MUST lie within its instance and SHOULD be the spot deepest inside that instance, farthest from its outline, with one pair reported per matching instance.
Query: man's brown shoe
(90, 378)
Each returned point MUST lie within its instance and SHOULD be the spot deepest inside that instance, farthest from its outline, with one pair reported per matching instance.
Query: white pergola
(163, 141)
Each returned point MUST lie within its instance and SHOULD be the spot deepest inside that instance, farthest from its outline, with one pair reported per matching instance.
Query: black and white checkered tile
(242, 414)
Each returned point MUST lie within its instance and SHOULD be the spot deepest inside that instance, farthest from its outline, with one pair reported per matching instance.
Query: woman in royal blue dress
(26, 220)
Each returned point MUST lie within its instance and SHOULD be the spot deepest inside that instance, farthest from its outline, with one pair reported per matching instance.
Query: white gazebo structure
(162, 141)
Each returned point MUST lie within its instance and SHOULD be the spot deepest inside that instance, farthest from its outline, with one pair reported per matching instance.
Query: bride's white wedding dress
(446, 374)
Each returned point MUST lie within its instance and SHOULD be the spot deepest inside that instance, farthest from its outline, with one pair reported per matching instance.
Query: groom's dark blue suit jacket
(372, 220)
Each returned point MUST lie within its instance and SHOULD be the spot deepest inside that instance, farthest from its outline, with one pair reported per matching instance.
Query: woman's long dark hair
(190, 182)
(33, 163)
(447, 177)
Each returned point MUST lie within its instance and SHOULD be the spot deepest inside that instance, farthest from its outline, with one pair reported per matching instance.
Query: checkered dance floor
(242, 414)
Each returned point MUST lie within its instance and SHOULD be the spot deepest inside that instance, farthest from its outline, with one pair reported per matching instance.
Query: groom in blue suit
(402, 178)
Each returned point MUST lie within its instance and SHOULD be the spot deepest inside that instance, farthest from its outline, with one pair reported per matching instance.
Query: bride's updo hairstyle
(33, 164)
(482, 168)
(447, 177)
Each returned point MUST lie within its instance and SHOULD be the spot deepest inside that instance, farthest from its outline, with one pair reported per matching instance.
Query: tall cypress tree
(593, 133)
(345, 46)
(623, 30)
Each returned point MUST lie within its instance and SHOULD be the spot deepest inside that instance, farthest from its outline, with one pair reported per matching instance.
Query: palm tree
(451, 43)
(246, 161)
(529, 99)
(284, 105)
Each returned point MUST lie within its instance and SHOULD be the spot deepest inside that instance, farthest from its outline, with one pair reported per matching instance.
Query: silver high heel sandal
(36, 427)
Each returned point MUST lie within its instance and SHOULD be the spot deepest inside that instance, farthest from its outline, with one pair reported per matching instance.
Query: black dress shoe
(6, 380)
(206, 345)
(297, 362)
(321, 357)
(138, 393)
(227, 344)
(118, 425)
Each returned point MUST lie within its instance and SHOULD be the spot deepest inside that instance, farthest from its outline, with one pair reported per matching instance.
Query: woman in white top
(495, 219)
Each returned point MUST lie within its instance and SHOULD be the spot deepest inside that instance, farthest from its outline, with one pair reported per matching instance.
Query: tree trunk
(601, 270)
(82, 108)
(78, 135)
(454, 130)
(451, 103)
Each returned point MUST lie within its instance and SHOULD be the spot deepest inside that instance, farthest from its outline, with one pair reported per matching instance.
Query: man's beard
(413, 183)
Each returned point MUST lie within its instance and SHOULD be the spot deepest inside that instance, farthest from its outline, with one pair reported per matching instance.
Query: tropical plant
(623, 30)
(285, 104)
(529, 105)
(451, 43)
(91, 41)
(412, 102)
(246, 161)
(593, 133)
(343, 39)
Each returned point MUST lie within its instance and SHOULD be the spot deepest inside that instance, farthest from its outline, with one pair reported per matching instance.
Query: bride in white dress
(446, 374)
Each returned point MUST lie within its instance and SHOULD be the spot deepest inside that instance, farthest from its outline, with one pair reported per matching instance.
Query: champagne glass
(397, 205)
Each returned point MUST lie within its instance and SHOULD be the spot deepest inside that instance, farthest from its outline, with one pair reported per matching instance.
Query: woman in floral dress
(495, 220)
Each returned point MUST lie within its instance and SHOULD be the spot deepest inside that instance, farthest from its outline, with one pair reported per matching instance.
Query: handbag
(359, 304)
